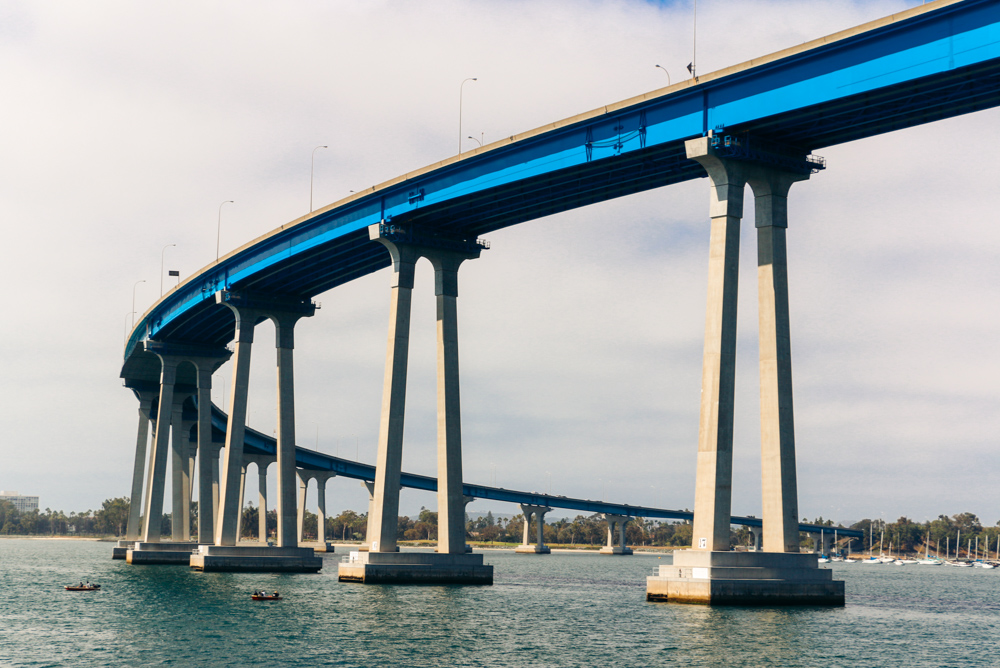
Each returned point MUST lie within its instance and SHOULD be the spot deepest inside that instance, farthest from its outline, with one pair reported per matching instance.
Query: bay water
(563, 609)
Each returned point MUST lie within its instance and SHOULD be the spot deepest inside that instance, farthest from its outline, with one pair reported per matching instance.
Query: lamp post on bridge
(461, 90)
(665, 72)
(161, 265)
(312, 169)
(218, 229)
(478, 141)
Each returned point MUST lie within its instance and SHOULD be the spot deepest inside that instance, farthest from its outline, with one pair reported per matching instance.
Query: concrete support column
(178, 466)
(208, 455)
(284, 342)
(713, 485)
(383, 522)
(539, 513)
(451, 506)
(133, 529)
(370, 486)
(262, 502)
(779, 486)
(301, 514)
(243, 492)
(216, 484)
(153, 510)
(227, 530)
(757, 532)
(321, 481)
(617, 543)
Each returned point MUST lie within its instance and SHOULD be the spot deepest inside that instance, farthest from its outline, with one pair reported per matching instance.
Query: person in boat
(276, 594)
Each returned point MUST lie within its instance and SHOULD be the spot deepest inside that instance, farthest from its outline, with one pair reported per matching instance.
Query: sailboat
(927, 561)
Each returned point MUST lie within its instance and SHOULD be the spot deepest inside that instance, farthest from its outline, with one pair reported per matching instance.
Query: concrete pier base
(533, 549)
(415, 568)
(230, 559)
(328, 548)
(121, 549)
(745, 578)
(616, 549)
(166, 553)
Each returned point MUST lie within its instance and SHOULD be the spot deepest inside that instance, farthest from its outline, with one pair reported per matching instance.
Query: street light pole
(312, 168)
(218, 229)
(665, 72)
(460, 91)
(475, 140)
(161, 265)
(133, 300)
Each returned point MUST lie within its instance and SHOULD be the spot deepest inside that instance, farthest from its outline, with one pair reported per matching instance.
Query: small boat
(83, 587)
(264, 596)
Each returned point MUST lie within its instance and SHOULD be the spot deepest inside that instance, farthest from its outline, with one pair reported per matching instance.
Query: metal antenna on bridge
(460, 91)
(693, 67)
(218, 229)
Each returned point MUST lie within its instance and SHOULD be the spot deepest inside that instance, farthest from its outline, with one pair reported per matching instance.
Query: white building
(24, 504)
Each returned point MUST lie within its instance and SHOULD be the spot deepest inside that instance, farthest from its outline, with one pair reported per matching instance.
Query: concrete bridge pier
(539, 546)
(382, 563)
(180, 469)
(224, 555)
(303, 479)
(756, 532)
(194, 364)
(710, 572)
(321, 478)
(149, 550)
(208, 458)
(133, 528)
(242, 502)
(261, 463)
(616, 535)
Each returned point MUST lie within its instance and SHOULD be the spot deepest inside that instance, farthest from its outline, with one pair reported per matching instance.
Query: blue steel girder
(925, 64)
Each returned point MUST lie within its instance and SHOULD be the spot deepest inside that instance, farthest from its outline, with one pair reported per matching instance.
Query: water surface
(553, 610)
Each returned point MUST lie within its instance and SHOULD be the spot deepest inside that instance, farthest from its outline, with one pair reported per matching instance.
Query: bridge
(757, 124)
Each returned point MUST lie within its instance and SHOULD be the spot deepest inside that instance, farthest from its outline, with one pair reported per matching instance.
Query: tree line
(904, 535)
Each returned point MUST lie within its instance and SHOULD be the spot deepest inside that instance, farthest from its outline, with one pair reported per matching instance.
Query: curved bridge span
(754, 124)
(926, 64)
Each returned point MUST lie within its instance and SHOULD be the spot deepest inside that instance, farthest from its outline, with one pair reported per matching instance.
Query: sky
(124, 126)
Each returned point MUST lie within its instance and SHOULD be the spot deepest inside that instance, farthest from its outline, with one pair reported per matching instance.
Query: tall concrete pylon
(710, 572)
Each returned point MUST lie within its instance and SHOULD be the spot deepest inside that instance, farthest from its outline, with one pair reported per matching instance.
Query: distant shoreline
(26, 537)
